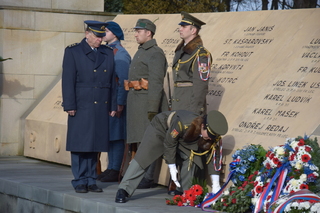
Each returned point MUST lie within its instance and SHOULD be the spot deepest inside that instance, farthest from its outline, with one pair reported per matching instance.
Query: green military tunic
(190, 70)
(149, 63)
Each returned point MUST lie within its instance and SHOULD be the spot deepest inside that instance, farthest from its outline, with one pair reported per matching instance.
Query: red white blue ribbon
(303, 194)
(211, 198)
(261, 200)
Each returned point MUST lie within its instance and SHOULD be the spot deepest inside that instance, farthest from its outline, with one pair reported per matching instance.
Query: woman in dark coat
(88, 89)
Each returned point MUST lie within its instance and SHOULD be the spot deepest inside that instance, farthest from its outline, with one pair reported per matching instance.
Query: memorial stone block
(265, 72)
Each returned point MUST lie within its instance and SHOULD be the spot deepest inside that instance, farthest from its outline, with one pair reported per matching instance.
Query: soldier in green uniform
(170, 132)
(146, 96)
(190, 68)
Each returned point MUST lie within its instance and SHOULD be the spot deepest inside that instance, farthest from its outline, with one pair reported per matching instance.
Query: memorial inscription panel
(265, 73)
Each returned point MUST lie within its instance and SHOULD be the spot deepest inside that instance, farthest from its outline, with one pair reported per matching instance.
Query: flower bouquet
(284, 170)
(191, 197)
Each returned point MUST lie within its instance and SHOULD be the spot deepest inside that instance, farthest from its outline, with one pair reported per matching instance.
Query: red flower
(304, 186)
(305, 158)
(291, 157)
(271, 156)
(177, 198)
(258, 189)
(301, 142)
(197, 189)
(225, 204)
(234, 200)
(245, 183)
(180, 203)
(268, 197)
(279, 164)
(268, 166)
(308, 149)
(191, 203)
(168, 202)
(275, 160)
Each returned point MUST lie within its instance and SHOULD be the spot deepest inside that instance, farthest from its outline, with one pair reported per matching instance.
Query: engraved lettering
(276, 128)
(266, 28)
(289, 114)
(280, 83)
(311, 55)
(272, 97)
(299, 84)
(315, 41)
(261, 111)
(315, 70)
(315, 85)
(250, 29)
(215, 92)
(250, 125)
(252, 41)
(227, 80)
(299, 99)
(241, 54)
(302, 69)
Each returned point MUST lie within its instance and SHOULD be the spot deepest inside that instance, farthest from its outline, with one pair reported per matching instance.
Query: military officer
(190, 68)
(172, 132)
(89, 92)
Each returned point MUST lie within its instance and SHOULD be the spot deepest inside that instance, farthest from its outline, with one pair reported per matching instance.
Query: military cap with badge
(145, 24)
(188, 19)
(97, 27)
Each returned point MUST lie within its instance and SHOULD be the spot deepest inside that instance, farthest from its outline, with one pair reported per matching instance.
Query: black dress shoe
(81, 188)
(121, 196)
(94, 188)
(113, 176)
(174, 192)
(146, 184)
(103, 174)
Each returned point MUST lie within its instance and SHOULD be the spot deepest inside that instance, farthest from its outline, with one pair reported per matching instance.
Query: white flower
(294, 144)
(280, 151)
(294, 182)
(305, 205)
(315, 208)
(303, 177)
(226, 192)
(254, 200)
(298, 165)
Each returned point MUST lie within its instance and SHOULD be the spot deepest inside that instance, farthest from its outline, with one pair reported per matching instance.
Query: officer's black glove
(151, 115)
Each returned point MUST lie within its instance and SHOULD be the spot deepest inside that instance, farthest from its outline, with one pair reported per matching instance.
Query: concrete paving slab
(32, 185)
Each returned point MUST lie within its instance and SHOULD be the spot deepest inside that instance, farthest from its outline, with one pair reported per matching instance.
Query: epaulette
(72, 45)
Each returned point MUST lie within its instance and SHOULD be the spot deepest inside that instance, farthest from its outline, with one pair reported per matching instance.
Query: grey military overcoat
(149, 63)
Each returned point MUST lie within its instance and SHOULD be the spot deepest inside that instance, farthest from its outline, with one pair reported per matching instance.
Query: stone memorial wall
(265, 72)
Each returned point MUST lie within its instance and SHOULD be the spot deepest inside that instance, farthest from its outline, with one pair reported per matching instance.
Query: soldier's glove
(215, 179)
(151, 115)
(174, 174)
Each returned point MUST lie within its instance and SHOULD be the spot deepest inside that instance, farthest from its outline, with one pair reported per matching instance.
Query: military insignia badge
(174, 133)
(204, 70)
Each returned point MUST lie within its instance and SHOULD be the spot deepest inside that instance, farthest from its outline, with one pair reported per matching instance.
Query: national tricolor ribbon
(303, 194)
(211, 198)
(264, 194)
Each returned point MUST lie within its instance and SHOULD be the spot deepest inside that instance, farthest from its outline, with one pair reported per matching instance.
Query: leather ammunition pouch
(136, 85)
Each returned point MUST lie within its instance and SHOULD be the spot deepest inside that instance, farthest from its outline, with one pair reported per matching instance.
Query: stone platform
(29, 185)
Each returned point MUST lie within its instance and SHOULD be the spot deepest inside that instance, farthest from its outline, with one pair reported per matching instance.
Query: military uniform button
(178, 100)
(105, 70)
(106, 102)
(95, 102)
(94, 70)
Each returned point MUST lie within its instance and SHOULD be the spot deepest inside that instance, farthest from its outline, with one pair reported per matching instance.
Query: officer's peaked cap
(188, 19)
(97, 27)
(216, 123)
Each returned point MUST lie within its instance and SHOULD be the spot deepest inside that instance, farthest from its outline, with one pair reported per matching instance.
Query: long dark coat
(88, 86)
(149, 63)
(191, 64)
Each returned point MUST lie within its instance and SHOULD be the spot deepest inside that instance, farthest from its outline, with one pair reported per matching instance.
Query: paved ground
(48, 184)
